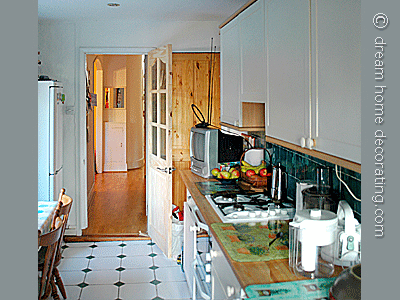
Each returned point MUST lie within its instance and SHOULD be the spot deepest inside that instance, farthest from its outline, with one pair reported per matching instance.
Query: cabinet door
(288, 69)
(224, 282)
(252, 54)
(338, 77)
(230, 74)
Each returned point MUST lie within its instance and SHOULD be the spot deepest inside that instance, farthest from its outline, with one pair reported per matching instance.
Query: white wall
(60, 44)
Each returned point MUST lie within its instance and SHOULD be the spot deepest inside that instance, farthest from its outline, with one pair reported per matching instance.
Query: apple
(263, 172)
(225, 175)
(231, 169)
(250, 173)
(219, 176)
(235, 174)
(215, 172)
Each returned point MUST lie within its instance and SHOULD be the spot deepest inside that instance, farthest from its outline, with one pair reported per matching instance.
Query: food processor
(312, 235)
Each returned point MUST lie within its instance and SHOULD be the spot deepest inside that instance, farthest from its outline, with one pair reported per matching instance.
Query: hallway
(118, 208)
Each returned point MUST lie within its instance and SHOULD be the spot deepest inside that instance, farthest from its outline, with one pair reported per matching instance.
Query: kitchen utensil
(347, 285)
(348, 244)
(279, 183)
(278, 235)
(312, 232)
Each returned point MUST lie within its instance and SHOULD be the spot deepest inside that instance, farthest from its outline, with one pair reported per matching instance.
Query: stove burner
(248, 206)
(238, 206)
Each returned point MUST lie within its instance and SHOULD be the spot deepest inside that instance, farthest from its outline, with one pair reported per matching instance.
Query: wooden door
(159, 148)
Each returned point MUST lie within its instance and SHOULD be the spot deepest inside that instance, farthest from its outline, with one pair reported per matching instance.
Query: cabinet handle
(230, 290)
(307, 142)
(303, 142)
(310, 143)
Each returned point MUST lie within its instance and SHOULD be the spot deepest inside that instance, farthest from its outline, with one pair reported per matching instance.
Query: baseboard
(135, 164)
(105, 237)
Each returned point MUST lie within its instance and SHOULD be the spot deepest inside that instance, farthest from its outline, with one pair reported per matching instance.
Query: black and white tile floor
(120, 270)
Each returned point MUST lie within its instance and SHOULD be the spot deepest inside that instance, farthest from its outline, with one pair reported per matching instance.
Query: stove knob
(264, 214)
(272, 212)
(278, 211)
(284, 212)
(252, 214)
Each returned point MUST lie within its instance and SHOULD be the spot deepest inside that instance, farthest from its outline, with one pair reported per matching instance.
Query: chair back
(49, 240)
(62, 210)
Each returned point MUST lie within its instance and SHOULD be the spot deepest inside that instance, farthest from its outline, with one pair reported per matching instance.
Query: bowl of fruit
(228, 176)
(254, 169)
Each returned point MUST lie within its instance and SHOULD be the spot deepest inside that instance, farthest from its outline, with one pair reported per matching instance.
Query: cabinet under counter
(246, 273)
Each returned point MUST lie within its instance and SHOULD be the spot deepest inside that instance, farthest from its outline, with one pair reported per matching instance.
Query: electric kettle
(279, 184)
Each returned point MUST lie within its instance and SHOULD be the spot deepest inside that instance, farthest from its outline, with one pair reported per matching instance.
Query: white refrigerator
(50, 139)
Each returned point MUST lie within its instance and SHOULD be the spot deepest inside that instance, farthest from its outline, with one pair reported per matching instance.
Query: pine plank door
(159, 148)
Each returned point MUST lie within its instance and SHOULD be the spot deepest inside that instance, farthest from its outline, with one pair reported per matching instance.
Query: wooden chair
(49, 242)
(62, 211)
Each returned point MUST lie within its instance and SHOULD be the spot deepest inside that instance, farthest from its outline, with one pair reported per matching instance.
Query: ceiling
(162, 10)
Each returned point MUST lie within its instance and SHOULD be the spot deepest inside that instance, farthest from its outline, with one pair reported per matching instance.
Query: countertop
(247, 273)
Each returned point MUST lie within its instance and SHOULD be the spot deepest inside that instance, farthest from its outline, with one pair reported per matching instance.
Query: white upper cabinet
(230, 74)
(288, 69)
(297, 61)
(314, 75)
(337, 77)
(243, 66)
(252, 54)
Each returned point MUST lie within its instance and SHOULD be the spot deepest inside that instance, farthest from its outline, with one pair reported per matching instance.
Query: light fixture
(113, 4)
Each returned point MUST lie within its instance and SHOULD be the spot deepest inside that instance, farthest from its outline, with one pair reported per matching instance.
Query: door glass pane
(163, 142)
(154, 140)
(163, 108)
(154, 107)
(154, 76)
(163, 77)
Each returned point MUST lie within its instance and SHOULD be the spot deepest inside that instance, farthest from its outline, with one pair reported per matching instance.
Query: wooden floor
(118, 209)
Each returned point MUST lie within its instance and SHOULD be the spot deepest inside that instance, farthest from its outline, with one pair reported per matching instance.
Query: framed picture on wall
(114, 97)
(119, 98)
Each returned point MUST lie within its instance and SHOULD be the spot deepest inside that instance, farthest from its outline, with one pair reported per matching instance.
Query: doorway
(116, 197)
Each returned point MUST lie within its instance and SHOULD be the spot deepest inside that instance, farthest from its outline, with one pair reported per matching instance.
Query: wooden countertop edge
(247, 273)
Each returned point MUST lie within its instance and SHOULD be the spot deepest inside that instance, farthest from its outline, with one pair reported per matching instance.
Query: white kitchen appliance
(50, 139)
(347, 249)
(312, 235)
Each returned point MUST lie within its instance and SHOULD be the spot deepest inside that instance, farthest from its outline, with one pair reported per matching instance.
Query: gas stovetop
(252, 207)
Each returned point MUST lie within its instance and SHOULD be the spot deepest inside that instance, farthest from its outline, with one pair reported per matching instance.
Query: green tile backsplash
(300, 166)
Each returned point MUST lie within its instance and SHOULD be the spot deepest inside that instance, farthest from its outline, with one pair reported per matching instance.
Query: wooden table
(46, 211)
